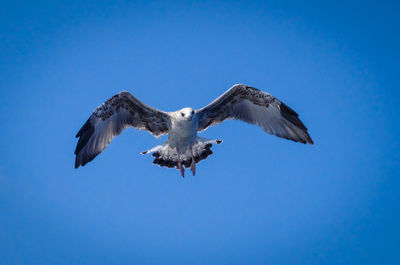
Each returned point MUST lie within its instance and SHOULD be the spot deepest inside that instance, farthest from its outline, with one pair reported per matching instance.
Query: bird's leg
(180, 167)
(193, 165)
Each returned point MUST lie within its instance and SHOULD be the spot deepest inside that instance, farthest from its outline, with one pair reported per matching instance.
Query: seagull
(184, 148)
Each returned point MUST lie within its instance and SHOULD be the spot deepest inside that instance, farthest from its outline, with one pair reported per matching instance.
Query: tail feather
(167, 156)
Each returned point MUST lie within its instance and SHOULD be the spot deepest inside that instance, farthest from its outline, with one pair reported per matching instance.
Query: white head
(186, 114)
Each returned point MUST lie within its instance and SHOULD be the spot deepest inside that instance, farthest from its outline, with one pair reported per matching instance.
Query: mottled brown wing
(111, 118)
(254, 106)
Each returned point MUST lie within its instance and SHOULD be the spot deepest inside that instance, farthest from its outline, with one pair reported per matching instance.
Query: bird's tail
(167, 156)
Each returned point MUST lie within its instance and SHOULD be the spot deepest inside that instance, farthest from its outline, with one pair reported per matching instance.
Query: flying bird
(184, 148)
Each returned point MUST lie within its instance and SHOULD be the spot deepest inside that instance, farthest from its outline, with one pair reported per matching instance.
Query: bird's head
(186, 114)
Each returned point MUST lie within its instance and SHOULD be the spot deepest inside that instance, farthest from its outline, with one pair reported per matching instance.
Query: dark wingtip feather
(84, 133)
(293, 118)
(308, 140)
(85, 160)
(84, 128)
(76, 162)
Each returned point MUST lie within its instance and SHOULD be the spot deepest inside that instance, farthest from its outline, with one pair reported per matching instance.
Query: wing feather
(111, 118)
(256, 107)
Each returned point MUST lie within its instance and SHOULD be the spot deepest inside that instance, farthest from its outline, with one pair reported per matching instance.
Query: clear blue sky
(259, 199)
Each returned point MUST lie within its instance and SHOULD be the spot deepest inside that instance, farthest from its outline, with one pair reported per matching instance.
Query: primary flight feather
(183, 147)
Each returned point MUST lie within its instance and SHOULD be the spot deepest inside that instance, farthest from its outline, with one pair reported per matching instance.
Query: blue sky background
(259, 199)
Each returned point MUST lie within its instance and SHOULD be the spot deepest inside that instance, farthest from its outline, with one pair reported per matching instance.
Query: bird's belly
(182, 135)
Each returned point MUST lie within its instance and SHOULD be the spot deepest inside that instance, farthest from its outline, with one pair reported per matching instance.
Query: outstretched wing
(111, 118)
(254, 106)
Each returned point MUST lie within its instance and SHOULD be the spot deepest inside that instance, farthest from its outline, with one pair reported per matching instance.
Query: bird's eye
(183, 115)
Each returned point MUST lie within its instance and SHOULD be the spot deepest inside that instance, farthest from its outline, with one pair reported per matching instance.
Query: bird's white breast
(182, 133)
